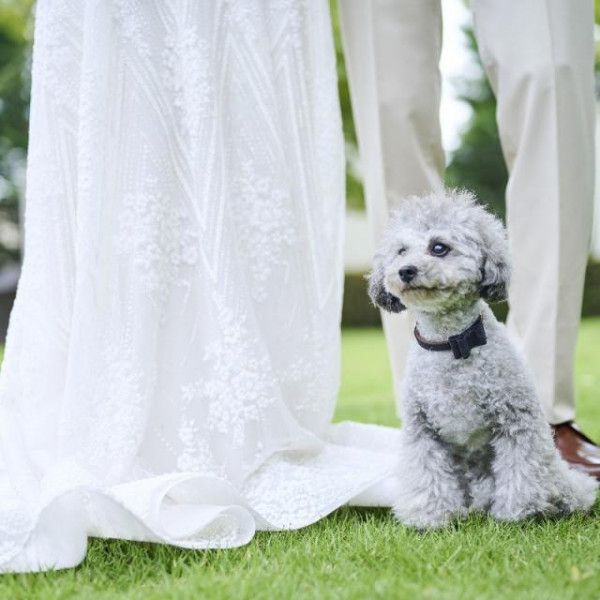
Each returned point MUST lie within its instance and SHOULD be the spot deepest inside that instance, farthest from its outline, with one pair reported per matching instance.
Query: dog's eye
(401, 251)
(439, 249)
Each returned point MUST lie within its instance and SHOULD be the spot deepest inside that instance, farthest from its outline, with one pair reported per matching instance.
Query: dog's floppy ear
(377, 292)
(495, 267)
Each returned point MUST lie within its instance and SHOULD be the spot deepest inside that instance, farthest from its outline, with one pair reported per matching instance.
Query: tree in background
(15, 51)
(354, 188)
(478, 163)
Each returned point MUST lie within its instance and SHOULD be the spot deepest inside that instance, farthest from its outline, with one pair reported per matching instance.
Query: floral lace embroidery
(245, 18)
(159, 239)
(57, 58)
(128, 15)
(196, 455)
(264, 226)
(113, 430)
(242, 385)
(186, 73)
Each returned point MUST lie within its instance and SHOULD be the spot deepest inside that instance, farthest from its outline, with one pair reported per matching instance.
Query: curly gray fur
(474, 436)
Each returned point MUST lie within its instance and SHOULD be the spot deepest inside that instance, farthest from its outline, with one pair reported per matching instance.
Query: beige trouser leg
(539, 57)
(392, 51)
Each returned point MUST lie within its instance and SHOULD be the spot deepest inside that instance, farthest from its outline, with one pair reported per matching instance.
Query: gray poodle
(474, 436)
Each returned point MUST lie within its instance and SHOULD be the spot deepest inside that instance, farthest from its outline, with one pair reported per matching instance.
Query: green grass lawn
(359, 553)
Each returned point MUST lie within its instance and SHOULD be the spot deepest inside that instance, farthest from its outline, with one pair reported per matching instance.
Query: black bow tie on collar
(461, 343)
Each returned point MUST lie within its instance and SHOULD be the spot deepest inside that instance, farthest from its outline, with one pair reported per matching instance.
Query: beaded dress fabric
(172, 362)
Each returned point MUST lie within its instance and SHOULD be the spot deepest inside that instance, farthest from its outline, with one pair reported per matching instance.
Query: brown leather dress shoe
(577, 448)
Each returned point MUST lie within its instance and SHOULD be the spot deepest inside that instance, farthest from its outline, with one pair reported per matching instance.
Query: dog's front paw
(421, 517)
(583, 490)
(517, 512)
(519, 508)
(567, 492)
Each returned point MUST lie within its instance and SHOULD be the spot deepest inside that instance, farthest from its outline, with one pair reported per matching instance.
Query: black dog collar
(461, 343)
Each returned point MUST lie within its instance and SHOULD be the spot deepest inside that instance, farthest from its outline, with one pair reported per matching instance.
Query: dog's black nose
(407, 274)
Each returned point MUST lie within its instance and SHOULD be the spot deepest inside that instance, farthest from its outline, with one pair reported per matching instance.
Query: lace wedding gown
(172, 360)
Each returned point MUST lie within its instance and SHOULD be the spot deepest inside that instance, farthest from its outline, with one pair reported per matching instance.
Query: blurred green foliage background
(15, 53)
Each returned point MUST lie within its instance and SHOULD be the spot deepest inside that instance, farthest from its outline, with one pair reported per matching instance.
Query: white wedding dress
(173, 355)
